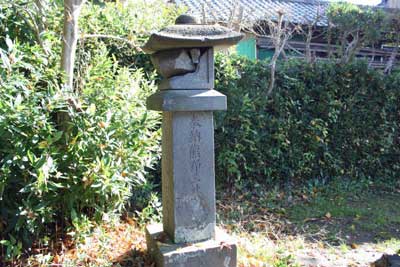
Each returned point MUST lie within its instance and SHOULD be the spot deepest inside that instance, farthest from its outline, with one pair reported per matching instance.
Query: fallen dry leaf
(353, 246)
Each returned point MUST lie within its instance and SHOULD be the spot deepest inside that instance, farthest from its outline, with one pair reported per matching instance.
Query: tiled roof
(298, 11)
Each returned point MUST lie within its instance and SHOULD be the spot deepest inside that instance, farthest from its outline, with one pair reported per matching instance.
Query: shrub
(48, 175)
(58, 178)
(131, 20)
(323, 121)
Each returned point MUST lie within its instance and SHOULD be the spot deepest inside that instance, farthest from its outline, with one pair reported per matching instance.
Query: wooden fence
(378, 57)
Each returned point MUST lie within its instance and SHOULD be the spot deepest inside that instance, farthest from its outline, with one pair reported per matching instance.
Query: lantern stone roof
(188, 35)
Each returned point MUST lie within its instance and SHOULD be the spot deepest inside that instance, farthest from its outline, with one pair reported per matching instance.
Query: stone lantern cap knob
(188, 33)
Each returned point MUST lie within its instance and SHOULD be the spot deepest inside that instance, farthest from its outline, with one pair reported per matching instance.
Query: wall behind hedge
(323, 121)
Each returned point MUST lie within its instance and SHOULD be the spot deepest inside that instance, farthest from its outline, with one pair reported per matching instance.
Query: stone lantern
(184, 55)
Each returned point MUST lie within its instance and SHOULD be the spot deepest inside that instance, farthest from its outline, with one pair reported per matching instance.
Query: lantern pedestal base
(218, 252)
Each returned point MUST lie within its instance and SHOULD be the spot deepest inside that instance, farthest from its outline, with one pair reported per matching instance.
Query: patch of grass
(257, 249)
(340, 223)
(319, 207)
(390, 246)
(365, 217)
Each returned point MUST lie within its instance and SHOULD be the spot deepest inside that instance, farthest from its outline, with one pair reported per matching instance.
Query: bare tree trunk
(348, 49)
(329, 37)
(284, 56)
(308, 44)
(280, 34)
(272, 74)
(72, 9)
(351, 49)
(280, 44)
(372, 60)
(343, 45)
(392, 59)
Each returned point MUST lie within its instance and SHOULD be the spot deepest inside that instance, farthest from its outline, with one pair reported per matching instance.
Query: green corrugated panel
(265, 53)
(247, 48)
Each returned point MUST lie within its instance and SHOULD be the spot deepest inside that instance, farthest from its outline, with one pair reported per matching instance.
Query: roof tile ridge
(307, 2)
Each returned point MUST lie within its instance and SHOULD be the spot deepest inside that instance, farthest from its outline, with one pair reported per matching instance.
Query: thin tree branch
(32, 23)
(106, 36)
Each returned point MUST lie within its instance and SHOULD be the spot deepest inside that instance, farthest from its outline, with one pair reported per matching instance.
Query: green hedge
(323, 121)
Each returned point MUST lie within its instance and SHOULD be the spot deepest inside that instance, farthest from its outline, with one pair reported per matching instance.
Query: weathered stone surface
(218, 252)
(187, 100)
(201, 78)
(186, 34)
(188, 178)
(186, 19)
(387, 261)
(173, 63)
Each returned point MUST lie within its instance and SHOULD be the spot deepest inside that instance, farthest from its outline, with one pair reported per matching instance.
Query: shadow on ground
(369, 217)
(133, 258)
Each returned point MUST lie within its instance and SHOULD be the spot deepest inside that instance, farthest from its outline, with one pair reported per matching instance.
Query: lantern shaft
(188, 178)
